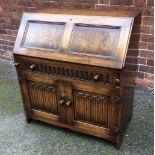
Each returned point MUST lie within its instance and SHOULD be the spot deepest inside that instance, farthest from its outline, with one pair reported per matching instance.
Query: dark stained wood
(70, 70)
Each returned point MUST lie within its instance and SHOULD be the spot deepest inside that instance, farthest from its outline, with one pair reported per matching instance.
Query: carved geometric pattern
(90, 107)
(94, 41)
(43, 36)
(105, 78)
(42, 86)
(43, 97)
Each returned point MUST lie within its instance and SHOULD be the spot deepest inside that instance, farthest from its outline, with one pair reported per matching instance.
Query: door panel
(103, 43)
(43, 35)
(91, 108)
(97, 107)
(43, 97)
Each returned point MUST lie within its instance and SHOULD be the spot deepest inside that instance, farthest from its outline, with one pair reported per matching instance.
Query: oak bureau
(70, 66)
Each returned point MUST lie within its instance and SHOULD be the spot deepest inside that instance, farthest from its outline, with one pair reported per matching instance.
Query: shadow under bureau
(70, 67)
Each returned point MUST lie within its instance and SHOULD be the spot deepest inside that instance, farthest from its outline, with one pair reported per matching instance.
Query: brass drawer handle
(117, 83)
(62, 99)
(96, 77)
(32, 66)
(15, 64)
(68, 103)
(61, 102)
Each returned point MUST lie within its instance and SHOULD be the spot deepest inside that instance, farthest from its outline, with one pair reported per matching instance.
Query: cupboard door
(91, 107)
(43, 97)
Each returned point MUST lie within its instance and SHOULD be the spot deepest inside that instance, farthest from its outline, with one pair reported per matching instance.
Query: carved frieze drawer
(73, 71)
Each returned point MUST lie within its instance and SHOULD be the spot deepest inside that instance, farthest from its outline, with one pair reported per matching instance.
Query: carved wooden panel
(72, 71)
(43, 97)
(41, 35)
(94, 41)
(90, 107)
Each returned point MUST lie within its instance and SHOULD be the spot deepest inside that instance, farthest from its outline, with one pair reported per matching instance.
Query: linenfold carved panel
(43, 97)
(94, 41)
(88, 107)
(41, 35)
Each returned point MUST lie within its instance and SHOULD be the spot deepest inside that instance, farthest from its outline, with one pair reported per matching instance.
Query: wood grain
(102, 44)
(41, 35)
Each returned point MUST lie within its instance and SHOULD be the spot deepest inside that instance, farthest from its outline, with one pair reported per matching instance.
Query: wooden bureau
(70, 66)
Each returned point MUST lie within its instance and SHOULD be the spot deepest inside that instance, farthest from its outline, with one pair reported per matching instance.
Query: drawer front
(72, 71)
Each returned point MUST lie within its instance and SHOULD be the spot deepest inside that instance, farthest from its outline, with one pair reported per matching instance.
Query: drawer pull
(15, 64)
(32, 67)
(117, 83)
(96, 77)
(68, 103)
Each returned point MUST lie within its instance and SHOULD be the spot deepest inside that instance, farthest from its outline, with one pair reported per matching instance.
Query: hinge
(117, 99)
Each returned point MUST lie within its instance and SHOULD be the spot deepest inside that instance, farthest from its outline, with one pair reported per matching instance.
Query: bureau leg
(130, 118)
(118, 145)
(28, 120)
(118, 142)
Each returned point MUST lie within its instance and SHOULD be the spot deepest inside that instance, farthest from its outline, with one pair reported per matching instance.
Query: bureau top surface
(98, 38)
(89, 12)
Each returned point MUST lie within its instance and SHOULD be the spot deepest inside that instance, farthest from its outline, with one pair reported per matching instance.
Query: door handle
(68, 103)
(62, 102)
(96, 77)
(32, 67)
(62, 99)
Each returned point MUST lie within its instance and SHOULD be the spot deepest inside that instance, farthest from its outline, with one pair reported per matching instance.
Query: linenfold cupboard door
(44, 97)
(94, 106)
